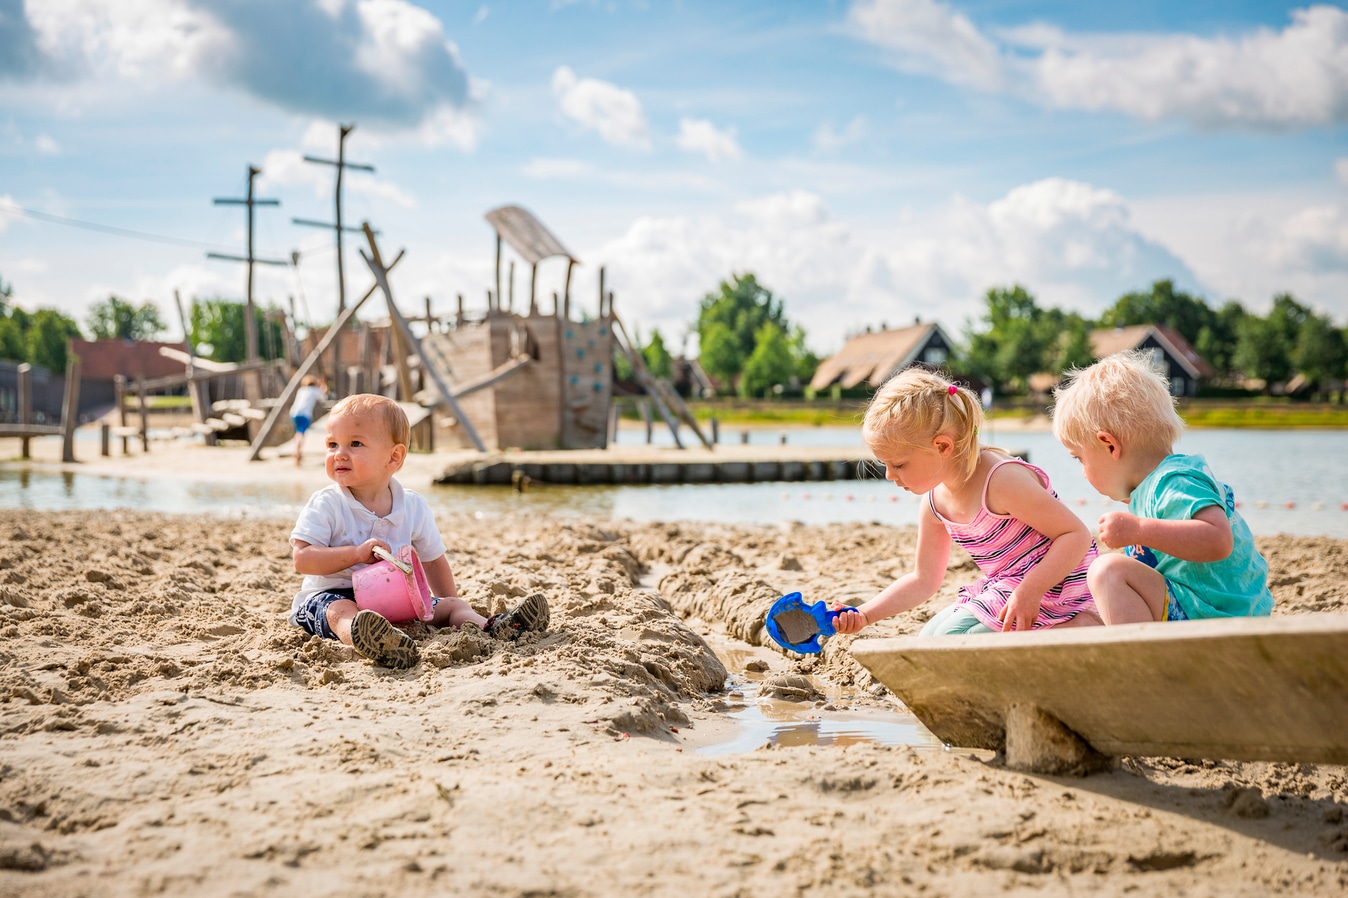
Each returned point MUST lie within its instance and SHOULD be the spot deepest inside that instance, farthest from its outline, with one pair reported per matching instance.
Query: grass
(1255, 413)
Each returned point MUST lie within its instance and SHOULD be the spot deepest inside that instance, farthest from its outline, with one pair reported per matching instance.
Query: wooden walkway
(666, 465)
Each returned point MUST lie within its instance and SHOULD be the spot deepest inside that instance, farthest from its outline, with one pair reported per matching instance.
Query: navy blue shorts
(312, 616)
(302, 423)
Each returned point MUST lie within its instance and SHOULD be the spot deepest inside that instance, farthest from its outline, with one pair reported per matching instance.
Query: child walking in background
(1033, 551)
(312, 391)
(1190, 553)
(363, 508)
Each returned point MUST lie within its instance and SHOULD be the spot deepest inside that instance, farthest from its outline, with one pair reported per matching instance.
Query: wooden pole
(511, 306)
(144, 415)
(533, 282)
(566, 288)
(25, 404)
(498, 268)
(380, 272)
(70, 409)
(119, 391)
(458, 313)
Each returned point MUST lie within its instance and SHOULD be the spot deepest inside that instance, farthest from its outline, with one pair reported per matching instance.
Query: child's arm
(440, 578)
(913, 588)
(325, 560)
(1204, 537)
(1016, 491)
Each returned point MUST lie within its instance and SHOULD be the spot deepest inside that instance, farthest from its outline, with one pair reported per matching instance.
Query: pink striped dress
(1005, 548)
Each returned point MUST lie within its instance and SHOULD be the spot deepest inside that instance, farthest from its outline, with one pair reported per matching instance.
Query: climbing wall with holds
(587, 383)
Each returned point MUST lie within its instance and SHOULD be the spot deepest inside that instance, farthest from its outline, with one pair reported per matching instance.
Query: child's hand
(1119, 529)
(1020, 612)
(367, 548)
(849, 620)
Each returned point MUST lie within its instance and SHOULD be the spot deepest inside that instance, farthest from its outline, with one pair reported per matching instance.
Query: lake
(1269, 470)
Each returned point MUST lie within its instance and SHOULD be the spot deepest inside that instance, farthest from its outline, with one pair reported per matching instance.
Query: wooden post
(144, 415)
(645, 405)
(458, 314)
(533, 282)
(25, 403)
(197, 391)
(510, 306)
(715, 431)
(601, 291)
(105, 440)
(498, 268)
(119, 391)
(70, 409)
(566, 288)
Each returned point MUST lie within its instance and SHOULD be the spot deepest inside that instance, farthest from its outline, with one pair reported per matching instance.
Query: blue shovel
(797, 627)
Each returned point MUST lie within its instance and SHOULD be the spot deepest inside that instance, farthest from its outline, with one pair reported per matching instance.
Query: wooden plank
(288, 394)
(380, 272)
(1273, 689)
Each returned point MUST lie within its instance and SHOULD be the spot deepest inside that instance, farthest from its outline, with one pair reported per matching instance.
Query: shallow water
(1267, 469)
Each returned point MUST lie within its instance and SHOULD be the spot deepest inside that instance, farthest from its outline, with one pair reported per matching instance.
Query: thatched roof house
(875, 356)
(1170, 352)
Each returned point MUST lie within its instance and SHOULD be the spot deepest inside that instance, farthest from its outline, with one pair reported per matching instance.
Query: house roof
(526, 234)
(1107, 341)
(873, 356)
(105, 359)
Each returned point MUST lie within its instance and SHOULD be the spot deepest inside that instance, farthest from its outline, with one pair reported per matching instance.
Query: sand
(163, 730)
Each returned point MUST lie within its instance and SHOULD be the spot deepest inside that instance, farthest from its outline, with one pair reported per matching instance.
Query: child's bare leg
(452, 611)
(1081, 619)
(1126, 591)
(340, 614)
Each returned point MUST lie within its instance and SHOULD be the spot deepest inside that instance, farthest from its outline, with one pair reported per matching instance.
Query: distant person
(1189, 552)
(312, 391)
(1033, 551)
(363, 508)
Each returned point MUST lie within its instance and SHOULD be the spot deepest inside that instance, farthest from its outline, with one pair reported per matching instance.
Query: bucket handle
(393, 560)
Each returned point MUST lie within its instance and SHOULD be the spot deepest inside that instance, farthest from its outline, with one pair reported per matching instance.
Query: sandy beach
(164, 731)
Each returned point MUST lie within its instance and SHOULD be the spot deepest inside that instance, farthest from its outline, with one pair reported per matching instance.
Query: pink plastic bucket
(400, 597)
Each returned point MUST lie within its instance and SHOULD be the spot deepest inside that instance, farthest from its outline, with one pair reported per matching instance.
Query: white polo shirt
(332, 517)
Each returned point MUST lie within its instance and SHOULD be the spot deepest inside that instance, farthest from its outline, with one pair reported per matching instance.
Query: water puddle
(762, 720)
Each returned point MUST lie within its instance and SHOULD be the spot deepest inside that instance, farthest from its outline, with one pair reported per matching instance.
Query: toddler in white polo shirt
(365, 508)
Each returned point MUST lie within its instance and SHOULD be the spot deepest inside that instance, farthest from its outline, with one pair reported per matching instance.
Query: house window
(934, 355)
(1177, 386)
(1158, 359)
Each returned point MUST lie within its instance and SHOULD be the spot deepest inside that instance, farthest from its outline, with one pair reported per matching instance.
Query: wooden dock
(643, 464)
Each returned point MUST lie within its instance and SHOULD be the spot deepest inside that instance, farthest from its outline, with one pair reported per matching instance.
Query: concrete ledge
(1271, 689)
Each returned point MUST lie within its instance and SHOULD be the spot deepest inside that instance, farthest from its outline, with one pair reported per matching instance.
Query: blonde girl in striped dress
(1032, 550)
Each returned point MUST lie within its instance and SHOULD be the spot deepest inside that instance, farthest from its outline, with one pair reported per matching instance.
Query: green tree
(728, 323)
(1217, 339)
(117, 319)
(1162, 304)
(1264, 346)
(1320, 354)
(218, 333)
(805, 359)
(6, 294)
(770, 363)
(13, 344)
(1072, 346)
(47, 339)
(1018, 339)
(657, 358)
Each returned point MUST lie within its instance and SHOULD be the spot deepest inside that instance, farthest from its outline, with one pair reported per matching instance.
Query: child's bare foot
(528, 616)
(384, 644)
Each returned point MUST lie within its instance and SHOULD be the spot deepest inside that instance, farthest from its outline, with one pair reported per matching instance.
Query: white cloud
(1314, 240)
(616, 114)
(387, 62)
(1295, 77)
(701, 136)
(826, 139)
(481, 15)
(557, 169)
(1071, 244)
(5, 216)
(46, 145)
(930, 38)
(1341, 169)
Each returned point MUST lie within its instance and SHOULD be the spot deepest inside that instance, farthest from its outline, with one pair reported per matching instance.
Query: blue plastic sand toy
(797, 627)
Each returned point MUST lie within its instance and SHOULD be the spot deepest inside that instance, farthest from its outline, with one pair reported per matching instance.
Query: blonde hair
(379, 407)
(915, 406)
(1122, 395)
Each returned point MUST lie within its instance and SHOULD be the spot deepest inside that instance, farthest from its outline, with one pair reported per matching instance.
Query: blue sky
(870, 161)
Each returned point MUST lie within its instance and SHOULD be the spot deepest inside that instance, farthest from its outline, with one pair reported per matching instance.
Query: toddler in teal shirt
(1189, 552)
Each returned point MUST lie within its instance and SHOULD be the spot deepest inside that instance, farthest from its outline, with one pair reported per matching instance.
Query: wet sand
(163, 730)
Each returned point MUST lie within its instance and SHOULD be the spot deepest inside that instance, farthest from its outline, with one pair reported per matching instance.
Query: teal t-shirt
(1237, 586)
